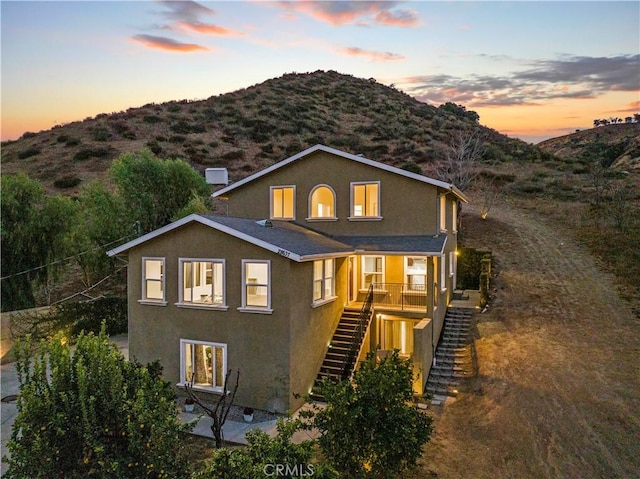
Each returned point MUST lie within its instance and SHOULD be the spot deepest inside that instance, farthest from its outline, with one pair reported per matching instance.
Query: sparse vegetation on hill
(252, 128)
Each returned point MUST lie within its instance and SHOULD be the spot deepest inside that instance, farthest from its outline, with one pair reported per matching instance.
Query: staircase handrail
(358, 334)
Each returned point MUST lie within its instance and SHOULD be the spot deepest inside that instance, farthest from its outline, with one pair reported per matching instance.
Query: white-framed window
(372, 270)
(323, 279)
(443, 213)
(443, 273)
(201, 282)
(415, 273)
(283, 204)
(256, 285)
(153, 277)
(436, 288)
(454, 215)
(322, 203)
(203, 364)
(365, 200)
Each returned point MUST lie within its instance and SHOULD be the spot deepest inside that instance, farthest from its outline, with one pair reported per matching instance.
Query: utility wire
(90, 287)
(62, 260)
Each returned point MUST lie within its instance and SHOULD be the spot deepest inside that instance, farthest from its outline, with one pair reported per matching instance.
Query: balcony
(399, 296)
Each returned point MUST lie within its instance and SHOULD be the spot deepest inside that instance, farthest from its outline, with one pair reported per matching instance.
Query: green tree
(35, 235)
(155, 190)
(92, 414)
(371, 428)
(103, 223)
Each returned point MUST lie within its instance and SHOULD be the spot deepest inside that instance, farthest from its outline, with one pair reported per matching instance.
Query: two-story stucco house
(308, 250)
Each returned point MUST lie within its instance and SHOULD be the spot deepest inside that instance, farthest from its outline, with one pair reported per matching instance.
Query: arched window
(322, 203)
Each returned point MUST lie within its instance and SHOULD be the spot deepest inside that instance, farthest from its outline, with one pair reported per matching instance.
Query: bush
(88, 316)
(28, 152)
(91, 152)
(152, 119)
(233, 155)
(370, 428)
(92, 414)
(68, 181)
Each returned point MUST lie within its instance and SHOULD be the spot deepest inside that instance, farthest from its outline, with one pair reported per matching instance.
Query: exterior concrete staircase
(454, 355)
(336, 363)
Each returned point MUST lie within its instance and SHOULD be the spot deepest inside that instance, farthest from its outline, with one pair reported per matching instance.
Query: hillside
(618, 145)
(252, 128)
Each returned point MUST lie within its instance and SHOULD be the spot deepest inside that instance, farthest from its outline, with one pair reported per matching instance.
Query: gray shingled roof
(396, 244)
(285, 235)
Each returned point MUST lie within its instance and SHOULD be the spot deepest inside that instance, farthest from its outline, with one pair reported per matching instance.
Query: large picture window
(322, 202)
(283, 202)
(256, 279)
(443, 213)
(153, 279)
(203, 364)
(323, 279)
(202, 282)
(365, 200)
(372, 270)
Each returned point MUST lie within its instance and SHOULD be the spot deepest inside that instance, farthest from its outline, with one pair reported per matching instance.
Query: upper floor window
(454, 215)
(415, 269)
(153, 279)
(365, 200)
(283, 202)
(443, 213)
(372, 270)
(202, 282)
(323, 279)
(203, 364)
(322, 202)
(256, 281)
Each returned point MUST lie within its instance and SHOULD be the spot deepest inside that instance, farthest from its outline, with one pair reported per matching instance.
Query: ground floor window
(203, 364)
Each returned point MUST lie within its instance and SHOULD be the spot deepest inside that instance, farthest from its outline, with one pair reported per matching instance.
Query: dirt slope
(558, 391)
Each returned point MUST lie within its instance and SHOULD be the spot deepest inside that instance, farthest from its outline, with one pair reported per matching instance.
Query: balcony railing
(400, 296)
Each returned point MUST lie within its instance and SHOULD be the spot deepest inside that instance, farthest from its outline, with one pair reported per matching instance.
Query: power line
(62, 260)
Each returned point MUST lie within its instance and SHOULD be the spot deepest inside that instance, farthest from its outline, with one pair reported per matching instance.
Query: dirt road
(558, 390)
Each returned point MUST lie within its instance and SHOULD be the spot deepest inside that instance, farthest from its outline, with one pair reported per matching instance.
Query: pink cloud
(208, 29)
(349, 12)
(372, 55)
(168, 44)
(399, 18)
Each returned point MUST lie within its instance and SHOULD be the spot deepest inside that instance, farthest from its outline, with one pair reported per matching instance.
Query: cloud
(184, 11)
(400, 18)
(372, 55)
(353, 12)
(207, 29)
(163, 43)
(570, 77)
(633, 107)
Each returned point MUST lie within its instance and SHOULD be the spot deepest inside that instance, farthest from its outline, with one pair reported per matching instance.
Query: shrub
(29, 152)
(152, 119)
(91, 152)
(73, 142)
(370, 428)
(89, 316)
(68, 181)
(154, 146)
(233, 155)
(92, 414)
(100, 133)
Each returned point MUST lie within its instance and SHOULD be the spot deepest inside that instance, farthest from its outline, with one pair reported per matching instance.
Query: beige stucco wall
(398, 195)
(278, 354)
(422, 354)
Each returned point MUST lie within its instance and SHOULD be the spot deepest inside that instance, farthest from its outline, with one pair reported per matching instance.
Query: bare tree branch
(461, 159)
(221, 409)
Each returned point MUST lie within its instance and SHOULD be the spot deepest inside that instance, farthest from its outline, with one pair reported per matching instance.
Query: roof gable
(349, 156)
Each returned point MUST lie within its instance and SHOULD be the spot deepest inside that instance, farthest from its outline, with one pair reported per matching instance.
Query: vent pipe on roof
(265, 223)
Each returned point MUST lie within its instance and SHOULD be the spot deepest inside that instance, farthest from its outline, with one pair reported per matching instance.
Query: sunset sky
(531, 70)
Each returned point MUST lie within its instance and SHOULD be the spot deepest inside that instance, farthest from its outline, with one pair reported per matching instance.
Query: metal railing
(358, 335)
(400, 295)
